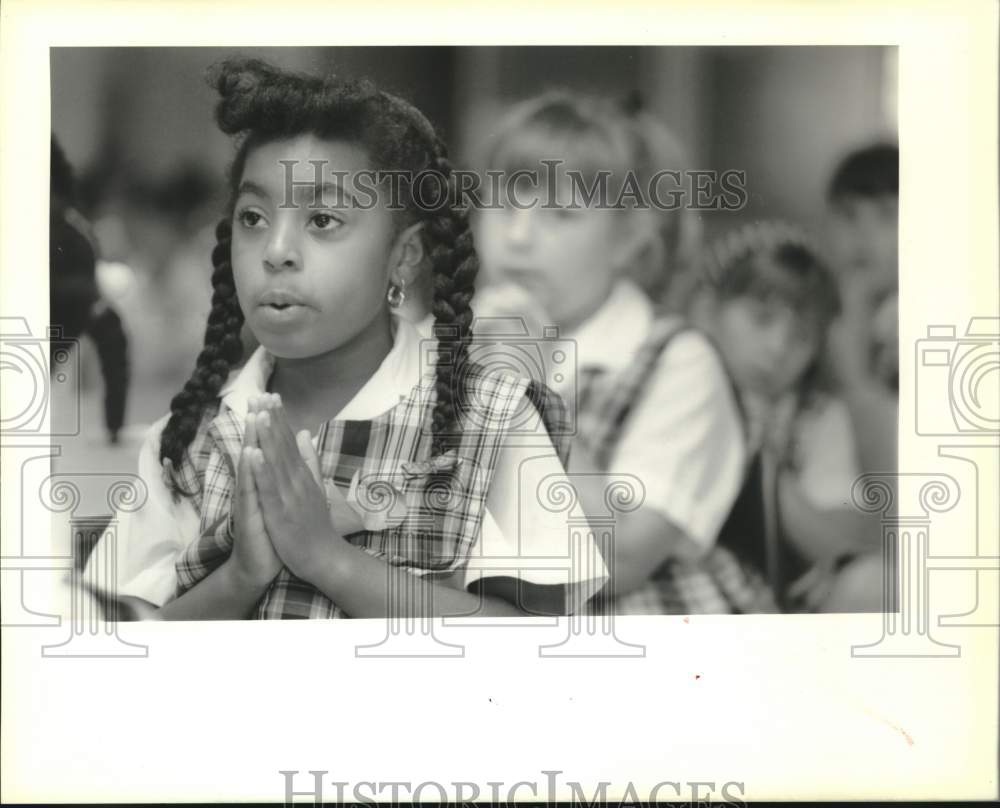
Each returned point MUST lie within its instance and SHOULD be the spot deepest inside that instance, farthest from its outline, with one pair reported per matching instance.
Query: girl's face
(310, 277)
(863, 236)
(567, 259)
(767, 344)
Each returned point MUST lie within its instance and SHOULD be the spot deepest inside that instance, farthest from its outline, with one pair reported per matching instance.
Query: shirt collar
(610, 337)
(394, 379)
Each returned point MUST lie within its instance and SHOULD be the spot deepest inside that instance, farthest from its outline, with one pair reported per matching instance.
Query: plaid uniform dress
(427, 522)
(724, 581)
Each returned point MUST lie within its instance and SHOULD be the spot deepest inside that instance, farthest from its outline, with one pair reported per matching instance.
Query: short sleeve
(526, 533)
(826, 458)
(684, 441)
(147, 541)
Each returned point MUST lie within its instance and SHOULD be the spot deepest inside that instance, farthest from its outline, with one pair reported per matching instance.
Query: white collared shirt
(683, 439)
(519, 537)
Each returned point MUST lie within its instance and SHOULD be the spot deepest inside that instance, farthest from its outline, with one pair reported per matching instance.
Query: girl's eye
(249, 218)
(326, 221)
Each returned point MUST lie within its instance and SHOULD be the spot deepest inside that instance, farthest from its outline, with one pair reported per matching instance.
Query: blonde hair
(675, 236)
(590, 134)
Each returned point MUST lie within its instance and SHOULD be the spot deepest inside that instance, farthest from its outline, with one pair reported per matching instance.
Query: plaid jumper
(723, 581)
(414, 517)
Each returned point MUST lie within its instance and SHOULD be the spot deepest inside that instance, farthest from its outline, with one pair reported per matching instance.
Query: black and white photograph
(596, 377)
(714, 264)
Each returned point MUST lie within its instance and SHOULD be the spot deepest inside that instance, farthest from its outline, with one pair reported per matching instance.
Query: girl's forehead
(779, 308)
(553, 150)
(305, 158)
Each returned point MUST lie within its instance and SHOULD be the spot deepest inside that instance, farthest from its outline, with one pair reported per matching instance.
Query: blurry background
(137, 126)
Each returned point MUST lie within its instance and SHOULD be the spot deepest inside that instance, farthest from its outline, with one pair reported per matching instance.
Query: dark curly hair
(261, 104)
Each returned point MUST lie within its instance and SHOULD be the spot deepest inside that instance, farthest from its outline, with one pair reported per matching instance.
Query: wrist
(328, 565)
(244, 581)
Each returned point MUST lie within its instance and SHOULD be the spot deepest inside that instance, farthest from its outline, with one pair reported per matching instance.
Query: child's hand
(293, 504)
(814, 587)
(253, 554)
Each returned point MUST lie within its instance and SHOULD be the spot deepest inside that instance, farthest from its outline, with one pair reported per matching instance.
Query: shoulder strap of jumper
(631, 387)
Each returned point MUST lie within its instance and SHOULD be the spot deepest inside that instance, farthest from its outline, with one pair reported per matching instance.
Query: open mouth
(280, 301)
(281, 309)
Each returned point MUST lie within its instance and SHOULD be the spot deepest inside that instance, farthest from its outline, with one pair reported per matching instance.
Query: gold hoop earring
(396, 294)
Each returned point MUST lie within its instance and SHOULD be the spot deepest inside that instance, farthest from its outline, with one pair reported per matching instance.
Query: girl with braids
(338, 473)
(651, 395)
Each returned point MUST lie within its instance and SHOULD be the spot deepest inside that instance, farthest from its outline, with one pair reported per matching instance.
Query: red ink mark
(888, 723)
(687, 620)
(901, 731)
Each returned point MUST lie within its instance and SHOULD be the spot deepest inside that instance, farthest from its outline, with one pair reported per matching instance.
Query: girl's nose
(282, 250)
(520, 227)
(777, 340)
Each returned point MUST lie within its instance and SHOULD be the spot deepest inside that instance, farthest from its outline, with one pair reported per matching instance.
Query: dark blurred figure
(863, 196)
(75, 302)
(863, 201)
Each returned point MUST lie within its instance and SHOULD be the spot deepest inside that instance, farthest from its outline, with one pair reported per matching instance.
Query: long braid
(455, 266)
(222, 350)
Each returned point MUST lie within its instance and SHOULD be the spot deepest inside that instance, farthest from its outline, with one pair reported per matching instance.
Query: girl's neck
(314, 389)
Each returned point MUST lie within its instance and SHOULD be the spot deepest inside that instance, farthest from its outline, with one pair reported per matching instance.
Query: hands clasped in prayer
(281, 513)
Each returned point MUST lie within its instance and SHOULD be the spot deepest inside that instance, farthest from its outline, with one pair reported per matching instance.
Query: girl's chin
(302, 346)
(291, 347)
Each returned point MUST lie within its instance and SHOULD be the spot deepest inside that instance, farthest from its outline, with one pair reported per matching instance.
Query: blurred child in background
(664, 259)
(667, 260)
(651, 396)
(768, 301)
(863, 200)
(76, 305)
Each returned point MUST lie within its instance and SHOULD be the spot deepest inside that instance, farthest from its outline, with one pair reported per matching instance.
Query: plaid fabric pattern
(441, 513)
(719, 583)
